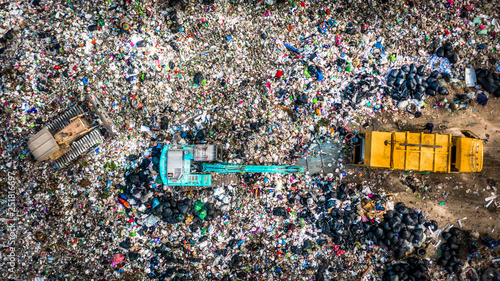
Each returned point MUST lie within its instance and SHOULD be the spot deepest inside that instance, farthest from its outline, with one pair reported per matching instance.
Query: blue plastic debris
(323, 27)
(291, 48)
(320, 76)
(156, 202)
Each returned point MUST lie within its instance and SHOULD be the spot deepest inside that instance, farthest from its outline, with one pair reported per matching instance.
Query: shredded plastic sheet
(442, 65)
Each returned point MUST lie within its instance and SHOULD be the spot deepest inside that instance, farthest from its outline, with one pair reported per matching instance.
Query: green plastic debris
(307, 73)
(158, 180)
(441, 203)
(198, 205)
(202, 214)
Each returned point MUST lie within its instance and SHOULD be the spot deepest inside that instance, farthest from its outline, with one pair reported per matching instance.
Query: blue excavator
(178, 164)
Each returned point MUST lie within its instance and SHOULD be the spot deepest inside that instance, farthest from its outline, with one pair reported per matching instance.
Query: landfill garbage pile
(264, 79)
(361, 88)
(411, 82)
(489, 80)
(412, 269)
(446, 51)
(401, 230)
(336, 214)
(450, 251)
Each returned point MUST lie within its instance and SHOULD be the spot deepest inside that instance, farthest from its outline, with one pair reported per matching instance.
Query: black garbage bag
(183, 209)
(125, 244)
(430, 92)
(171, 65)
(312, 71)
(420, 70)
(488, 82)
(413, 68)
(397, 228)
(200, 135)
(167, 212)
(141, 44)
(411, 84)
(418, 80)
(399, 81)
(420, 89)
(198, 78)
(481, 73)
(405, 68)
(417, 95)
(399, 253)
(464, 13)
(452, 57)
(440, 52)
(434, 74)
(307, 245)
(145, 163)
(482, 99)
(301, 99)
(394, 73)
(446, 235)
(442, 91)
(434, 85)
(455, 231)
(92, 27)
(174, 46)
(281, 212)
(407, 219)
(386, 226)
(391, 80)
(378, 232)
(401, 208)
(389, 214)
(133, 256)
(164, 123)
(419, 234)
(404, 234)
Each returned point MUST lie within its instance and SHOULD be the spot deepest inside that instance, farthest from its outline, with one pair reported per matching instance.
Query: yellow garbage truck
(422, 152)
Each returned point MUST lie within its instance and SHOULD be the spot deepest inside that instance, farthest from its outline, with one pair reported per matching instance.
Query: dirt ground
(462, 196)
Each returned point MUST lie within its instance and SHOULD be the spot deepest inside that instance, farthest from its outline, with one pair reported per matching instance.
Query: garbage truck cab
(419, 152)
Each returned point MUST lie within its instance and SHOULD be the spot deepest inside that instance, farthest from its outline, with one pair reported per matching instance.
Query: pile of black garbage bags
(361, 87)
(400, 229)
(411, 82)
(446, 51)
(450, 251)
(489, 80)
(413, 269)
(342, 225)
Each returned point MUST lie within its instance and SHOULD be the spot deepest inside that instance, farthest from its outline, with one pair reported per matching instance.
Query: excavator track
(64, 120)
(79, 147)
